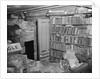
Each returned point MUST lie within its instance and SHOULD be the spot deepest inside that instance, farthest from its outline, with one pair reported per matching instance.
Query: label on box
(14, 47)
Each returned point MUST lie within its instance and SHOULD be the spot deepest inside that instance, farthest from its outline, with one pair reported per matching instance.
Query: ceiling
(18, 8)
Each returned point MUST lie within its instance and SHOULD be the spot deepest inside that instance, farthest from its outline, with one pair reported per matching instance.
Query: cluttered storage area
(49, 39)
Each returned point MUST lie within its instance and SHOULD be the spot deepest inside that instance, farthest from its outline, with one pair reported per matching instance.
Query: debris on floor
(24, 65)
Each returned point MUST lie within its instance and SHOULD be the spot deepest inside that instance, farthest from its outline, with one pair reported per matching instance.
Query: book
(86, 41)
(57, 45)
(76, 19)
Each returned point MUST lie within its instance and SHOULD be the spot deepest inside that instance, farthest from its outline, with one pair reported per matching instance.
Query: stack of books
(69, 30)
(58, 46)
(76, 19)
(56, 53)
(78, 40)
(56, 37)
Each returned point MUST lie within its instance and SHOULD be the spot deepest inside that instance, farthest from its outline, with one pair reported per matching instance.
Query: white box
(14, 47)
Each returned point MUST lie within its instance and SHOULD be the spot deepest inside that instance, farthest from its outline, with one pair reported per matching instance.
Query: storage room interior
(49, 38)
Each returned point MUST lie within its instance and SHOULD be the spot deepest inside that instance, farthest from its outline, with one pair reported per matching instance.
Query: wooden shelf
(77, 28)
(80, 35)
(56, 57)
(78, 45)
(69, 14)
(72, 24)
(57, 49)
(57, 41)
(73, 35)
(80, 24)
(70, 44)
(82, 45)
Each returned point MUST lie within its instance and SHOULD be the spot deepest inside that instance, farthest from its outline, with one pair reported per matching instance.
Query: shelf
(73, 35)
(80, 35)
(83, 45)
(79, 26)
(60, 14)
(70, 44)
(68, 14)
(57, 41)
(75, 29)
(78, 45)
(72, 24)
(56, 57)
(57, 49)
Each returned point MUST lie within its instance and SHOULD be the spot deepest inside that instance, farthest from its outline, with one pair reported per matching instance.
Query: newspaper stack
(19, 61)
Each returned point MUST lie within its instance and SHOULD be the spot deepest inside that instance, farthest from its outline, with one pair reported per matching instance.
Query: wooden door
(43, 38)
